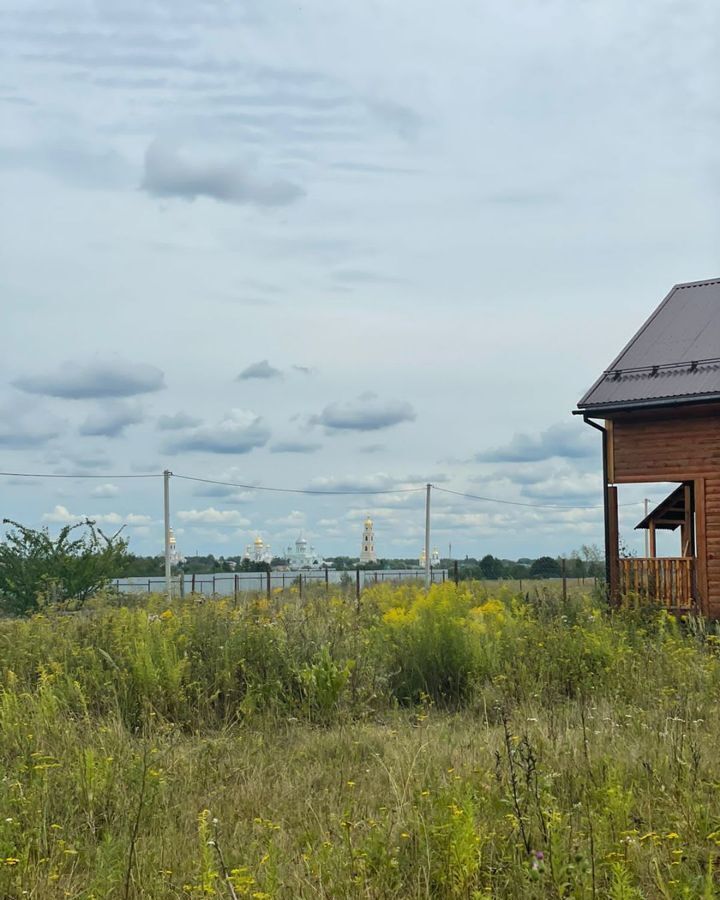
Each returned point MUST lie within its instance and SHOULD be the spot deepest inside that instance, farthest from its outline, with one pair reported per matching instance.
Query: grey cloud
(95, 380)
(372, 448)
(304, 370)
(261, 369)
(240, 431)
(18, 435)
(366, 413)
(24, 425)
(295, 447)
(362, 276)
(111, 420)
(168, 174)
(401, 119)
(562, 440)
(72, 161)
(177, 422)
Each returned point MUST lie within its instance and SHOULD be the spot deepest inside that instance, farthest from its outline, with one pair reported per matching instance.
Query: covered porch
(668, 581)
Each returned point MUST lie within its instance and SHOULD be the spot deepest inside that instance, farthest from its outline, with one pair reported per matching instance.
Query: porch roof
(669, 514)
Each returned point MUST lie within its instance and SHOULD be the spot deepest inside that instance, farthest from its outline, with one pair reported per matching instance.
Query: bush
(36, 570)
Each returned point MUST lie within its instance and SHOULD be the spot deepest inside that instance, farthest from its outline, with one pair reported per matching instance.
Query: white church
(258, 551)
(304, 556)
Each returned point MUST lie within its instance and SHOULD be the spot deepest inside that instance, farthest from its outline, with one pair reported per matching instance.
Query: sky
(335, 246)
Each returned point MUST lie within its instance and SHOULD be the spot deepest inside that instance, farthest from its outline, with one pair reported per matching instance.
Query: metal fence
(229, 584)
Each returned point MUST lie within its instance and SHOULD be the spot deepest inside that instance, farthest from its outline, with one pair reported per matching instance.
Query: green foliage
(446, 745)
(545, 567)
(35, 569)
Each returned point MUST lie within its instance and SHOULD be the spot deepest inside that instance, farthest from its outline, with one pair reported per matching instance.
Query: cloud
(18, 435)
(168, 174)
(295, 447)
(105, 490)
(95, 380)
(239, 431)
(562, 440)
(376, 481)
(261, 369)
(177, 422)
(111, 420)
(61, 515)
(401, 119)
(304, 370)
(212, 516)
(366, 413)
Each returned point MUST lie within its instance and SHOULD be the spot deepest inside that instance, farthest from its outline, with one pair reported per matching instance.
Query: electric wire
(314, 491)
(256, 487)
(526, 505)
(53, 475)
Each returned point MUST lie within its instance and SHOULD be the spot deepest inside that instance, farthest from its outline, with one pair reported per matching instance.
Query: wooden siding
(679, 448)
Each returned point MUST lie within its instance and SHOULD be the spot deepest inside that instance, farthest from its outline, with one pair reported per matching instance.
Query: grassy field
(449, 745)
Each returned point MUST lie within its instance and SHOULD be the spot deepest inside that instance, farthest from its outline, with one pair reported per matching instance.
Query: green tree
(545, 567)
(491, 567)
(37, 569)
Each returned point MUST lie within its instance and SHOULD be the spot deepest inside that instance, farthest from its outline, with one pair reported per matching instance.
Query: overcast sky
(339, 245)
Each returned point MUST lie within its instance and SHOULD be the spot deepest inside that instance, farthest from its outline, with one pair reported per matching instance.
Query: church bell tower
(367, 548)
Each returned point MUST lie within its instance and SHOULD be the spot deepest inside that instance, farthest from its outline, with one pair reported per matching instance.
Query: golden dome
(258, 541)
(368, 522)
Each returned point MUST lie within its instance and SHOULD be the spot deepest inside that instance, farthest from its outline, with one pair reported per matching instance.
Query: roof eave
(601, 410)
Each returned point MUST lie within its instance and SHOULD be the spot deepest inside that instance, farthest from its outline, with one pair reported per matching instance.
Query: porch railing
(667, 581)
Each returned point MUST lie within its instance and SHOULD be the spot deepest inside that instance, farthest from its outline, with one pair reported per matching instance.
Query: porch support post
(612, 550)
(686, 527)
(653, 542)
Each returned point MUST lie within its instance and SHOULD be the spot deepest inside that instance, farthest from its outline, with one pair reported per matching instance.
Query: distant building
(175, 558)
(304, 556)
(434, 558)
(258, 551)
(367, 548)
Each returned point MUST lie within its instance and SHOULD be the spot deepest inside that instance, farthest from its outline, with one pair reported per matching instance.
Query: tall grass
(446, 744)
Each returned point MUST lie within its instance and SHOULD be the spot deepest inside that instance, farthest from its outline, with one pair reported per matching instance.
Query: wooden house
(658, 408)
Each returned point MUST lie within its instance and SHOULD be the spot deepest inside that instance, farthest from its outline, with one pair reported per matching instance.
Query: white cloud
(212, 516)
(61, 515)
(105, 490)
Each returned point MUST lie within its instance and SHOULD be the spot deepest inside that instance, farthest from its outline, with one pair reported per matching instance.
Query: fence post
(235, 588)
(192, 584)
(564, 579)
(149, 588)
(443, 574)
(327, 579)
(357, 585)
(520, 580)
(213, 586)
(300, 584)
(268, 583)
(182, 586)
(456, 572)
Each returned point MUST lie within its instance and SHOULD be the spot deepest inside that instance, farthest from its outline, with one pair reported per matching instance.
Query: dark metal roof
(674, 357)
(669, 513)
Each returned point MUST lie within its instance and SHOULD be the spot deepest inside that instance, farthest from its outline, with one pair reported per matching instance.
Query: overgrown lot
(447, 744)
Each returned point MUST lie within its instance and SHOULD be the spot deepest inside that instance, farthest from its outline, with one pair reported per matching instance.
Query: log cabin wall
(679, 446)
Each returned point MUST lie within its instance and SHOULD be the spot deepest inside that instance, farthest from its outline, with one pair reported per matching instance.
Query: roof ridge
(705, 283)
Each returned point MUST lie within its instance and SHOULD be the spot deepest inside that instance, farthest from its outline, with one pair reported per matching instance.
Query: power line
(277, 490)
(313, 492)
(519, 503)
(52, 475)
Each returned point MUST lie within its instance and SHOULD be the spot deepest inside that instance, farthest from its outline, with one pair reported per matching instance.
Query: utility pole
(166, 497)
(647, 532)
(427, 535)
